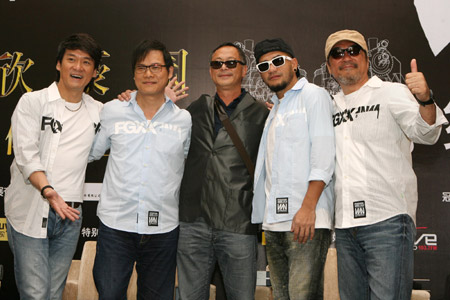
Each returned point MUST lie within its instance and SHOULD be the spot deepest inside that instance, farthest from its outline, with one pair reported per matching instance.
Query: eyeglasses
(277, 62)
(154, 68)
(338, 53)
(231, 64)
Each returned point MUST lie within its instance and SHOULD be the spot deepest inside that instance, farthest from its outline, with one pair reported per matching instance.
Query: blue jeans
(41, 265)
(200, 247)
(377, 261)
(296, 270)
(155, 257)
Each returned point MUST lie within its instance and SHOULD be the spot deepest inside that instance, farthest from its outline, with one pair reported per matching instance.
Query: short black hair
(144, 47)
(80, 41)
(230, 44)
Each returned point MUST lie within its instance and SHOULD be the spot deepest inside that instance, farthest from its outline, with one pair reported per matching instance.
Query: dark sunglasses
(231, 64)
(338, 53)
(277, 62)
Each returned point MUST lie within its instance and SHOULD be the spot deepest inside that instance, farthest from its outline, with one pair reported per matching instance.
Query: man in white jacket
(53, 130)
(376, 188)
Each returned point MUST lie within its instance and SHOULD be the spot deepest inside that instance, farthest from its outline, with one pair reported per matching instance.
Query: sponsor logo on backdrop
(11, 72)
(89, 232)
(447, 112)
(425, 241)
(179, 64)
(445, 196)
(102, 69)
(381, 63)
(3, 234)
(91, 191)
(2, 191)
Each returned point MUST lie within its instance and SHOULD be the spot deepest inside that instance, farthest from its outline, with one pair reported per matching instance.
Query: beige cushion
(71, 289)
(420, 295)
(330, 285)
(86, 285)
(263, 293)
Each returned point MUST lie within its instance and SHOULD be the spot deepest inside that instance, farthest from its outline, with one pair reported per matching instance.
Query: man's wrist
(428, 102)
(44, 188)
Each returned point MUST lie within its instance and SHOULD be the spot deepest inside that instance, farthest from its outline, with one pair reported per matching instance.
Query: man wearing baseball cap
(293, 196)
(376, 188)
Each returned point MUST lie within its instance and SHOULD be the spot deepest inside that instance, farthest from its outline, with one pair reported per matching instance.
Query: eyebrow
(83, 57)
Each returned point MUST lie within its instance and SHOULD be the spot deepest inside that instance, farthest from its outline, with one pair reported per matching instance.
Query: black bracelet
(429, 101)
(44, 188)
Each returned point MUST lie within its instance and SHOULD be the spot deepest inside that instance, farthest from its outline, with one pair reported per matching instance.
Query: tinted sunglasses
(277, 62)
(338, 53)
(231, 64)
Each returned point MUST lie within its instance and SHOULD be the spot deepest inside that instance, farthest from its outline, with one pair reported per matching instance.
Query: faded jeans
(200, 246)
(41, 265)
(296, 270)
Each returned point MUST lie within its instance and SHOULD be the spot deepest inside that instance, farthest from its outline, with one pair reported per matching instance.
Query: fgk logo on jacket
(55, 125)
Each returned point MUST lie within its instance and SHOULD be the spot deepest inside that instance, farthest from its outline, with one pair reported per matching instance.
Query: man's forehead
(270, 55)
(77, 53)
(226, 52)
(153, 55)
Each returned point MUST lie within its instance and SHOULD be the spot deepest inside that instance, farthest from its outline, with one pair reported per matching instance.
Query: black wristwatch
(430, 101)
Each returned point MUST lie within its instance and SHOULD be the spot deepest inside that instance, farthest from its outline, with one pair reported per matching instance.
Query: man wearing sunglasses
(216, 191)
(293, 176)
(376, 188)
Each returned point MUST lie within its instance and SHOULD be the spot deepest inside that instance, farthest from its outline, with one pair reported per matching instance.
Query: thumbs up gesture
(416, 83)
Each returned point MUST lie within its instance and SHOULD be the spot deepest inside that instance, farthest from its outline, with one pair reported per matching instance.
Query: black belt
(74, 204)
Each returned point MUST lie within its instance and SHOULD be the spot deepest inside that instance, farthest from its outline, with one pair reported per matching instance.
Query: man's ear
(244, 70)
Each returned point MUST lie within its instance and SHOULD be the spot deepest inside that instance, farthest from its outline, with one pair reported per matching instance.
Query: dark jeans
(155, 257)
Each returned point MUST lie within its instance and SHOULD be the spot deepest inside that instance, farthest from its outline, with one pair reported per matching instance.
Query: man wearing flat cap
(376, 188)
(293, 196)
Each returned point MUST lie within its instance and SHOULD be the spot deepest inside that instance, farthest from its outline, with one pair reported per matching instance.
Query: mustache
(347, 64)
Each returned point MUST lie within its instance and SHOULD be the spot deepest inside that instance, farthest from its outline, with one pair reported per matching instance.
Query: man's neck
(70, 95)
(348, 89)
(228, 96)
(280, 94)
(150, 104)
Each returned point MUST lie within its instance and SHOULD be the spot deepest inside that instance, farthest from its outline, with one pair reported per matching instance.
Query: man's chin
(278, 87)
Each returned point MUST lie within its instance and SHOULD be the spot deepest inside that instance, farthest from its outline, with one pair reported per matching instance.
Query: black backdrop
(31, 31)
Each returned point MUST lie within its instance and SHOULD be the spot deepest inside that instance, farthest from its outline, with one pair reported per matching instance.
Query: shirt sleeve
(102, 141)
(405, 110)
(25, 128)
(321, 131)
(187, 142)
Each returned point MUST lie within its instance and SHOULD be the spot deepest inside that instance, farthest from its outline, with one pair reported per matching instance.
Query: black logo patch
(282, 206)
(359, 209)
(153, 217)
(44, 222)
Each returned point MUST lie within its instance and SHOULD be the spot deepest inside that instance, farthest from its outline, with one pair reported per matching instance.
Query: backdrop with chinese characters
(396, 32)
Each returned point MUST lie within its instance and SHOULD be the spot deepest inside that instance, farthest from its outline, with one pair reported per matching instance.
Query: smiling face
(279, 79)
(148, 83)
(76, 71)
(349, 71)
(226, 78)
